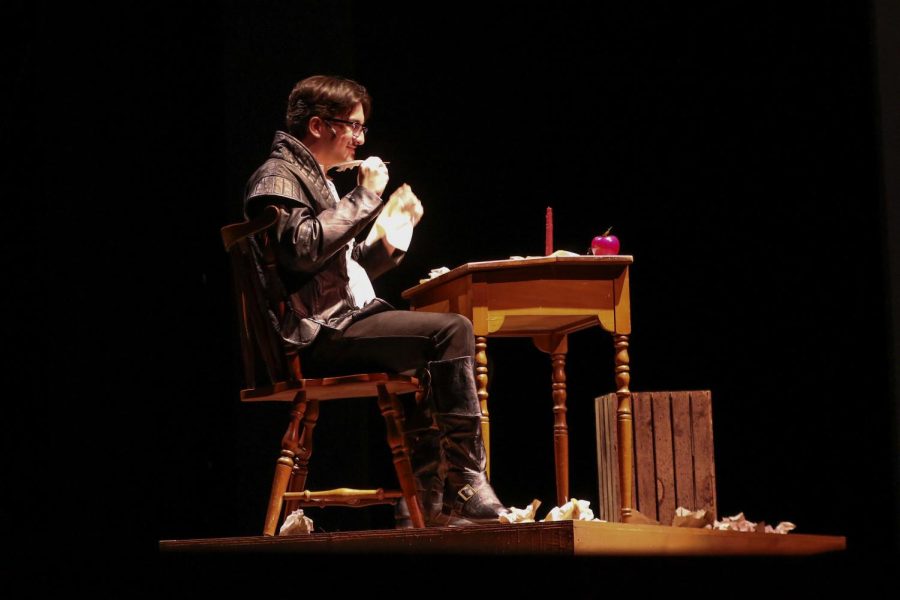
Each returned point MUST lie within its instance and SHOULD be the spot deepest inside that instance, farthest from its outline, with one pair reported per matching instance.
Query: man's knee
(461, 324)
(460, 336)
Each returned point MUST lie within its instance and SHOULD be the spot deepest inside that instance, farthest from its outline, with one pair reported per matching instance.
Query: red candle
(548, 237)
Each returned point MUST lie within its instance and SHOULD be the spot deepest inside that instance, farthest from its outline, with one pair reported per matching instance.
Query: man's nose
(360, 139)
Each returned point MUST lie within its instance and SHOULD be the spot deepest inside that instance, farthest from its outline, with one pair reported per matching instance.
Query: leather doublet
(312, 235)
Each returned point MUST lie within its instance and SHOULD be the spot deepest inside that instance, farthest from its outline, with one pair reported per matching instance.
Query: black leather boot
(468, 496)
(423, 441)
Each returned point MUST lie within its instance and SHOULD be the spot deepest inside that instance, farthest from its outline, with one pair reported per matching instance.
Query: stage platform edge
(561, 538)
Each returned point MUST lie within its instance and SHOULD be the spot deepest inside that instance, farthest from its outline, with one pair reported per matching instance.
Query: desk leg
(560, 427)
(624, 430)
(481, 380)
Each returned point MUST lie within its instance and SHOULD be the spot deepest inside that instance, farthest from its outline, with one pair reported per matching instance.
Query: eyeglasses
(356, 126)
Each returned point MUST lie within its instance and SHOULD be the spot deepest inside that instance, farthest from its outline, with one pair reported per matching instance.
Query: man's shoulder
(275, 183)
(275, 177)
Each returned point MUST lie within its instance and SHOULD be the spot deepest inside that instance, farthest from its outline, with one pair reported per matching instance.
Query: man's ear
(315, 127)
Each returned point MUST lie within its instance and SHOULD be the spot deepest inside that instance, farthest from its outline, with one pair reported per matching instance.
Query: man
(328, 250)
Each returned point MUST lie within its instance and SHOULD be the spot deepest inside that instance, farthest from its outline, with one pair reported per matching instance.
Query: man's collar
(293, 150)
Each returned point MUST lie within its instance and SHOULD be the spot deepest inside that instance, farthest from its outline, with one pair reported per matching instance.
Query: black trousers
(399, 341)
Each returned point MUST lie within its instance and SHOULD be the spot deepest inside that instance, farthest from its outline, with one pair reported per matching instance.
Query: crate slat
(673, 444)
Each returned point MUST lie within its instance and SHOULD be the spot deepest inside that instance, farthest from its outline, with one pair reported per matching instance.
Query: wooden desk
(545, 299)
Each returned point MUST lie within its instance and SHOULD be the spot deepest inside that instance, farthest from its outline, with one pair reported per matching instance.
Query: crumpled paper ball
(782, 527)
(296, 523)
(697, 519)
(575, 510)
(521, 515)
(739, 523)
(434, 273)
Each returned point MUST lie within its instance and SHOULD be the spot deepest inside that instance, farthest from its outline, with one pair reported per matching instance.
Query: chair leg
(279, 484)
(391, 411)
(285, 464)
(303, 454)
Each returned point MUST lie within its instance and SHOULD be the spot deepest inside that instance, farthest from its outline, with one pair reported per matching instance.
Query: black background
(733, 149)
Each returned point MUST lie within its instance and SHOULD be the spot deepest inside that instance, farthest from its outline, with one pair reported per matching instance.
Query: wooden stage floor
(575, 559)
(560, 538)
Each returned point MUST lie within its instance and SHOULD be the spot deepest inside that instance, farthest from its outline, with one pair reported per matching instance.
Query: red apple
(605, 244)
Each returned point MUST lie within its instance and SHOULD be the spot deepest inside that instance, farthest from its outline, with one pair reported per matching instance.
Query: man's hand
(373, 175)
(394, 226)
(404, 201)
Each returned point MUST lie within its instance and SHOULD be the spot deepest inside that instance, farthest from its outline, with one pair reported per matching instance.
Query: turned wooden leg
(481, 380)
(560, 427)
(279, 485)
(391, 411)
(303, 455)
(557, 346)
(624, 431)
(285, 465)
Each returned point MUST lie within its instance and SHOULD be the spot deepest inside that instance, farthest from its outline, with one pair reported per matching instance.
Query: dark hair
(323, 96)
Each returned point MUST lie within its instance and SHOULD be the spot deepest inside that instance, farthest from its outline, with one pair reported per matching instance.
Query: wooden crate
(673, 446)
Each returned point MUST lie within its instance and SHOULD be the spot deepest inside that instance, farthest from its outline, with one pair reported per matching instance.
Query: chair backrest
(259, 306)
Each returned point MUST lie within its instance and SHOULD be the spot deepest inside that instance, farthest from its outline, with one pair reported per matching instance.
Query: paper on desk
(296, 523)
(434, 273)
(441, 270)
(555, 253)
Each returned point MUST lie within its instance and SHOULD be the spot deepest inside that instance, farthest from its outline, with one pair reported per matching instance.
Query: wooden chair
(673, 454)
(286, 384)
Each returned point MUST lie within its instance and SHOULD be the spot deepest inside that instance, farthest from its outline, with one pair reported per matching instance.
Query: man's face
(337, 144)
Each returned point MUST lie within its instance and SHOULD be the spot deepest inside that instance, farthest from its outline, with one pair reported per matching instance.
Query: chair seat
(361, 385)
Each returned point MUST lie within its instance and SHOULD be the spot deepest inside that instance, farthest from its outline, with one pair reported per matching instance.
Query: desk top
(619, 261)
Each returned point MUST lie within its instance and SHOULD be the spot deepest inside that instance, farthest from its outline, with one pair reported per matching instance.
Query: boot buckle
(466, 492)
